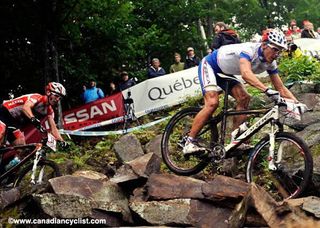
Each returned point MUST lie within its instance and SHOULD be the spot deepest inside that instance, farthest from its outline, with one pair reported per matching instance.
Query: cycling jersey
(41, 106)
(226, 60)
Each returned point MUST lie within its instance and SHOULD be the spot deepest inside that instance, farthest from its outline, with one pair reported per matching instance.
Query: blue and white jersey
(226, 59)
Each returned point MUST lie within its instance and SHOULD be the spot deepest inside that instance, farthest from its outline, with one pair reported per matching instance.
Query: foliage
(300, 68)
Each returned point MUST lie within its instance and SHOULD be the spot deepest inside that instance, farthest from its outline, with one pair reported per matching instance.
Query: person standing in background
(178, 65)
(92, 93)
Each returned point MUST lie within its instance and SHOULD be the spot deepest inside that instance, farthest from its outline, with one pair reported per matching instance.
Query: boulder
(64, 206)
(170, 212)
(90, 174)
(222, 187)
(128, 148)
(154, 146)
(8, 197)
(107, 195)
(311, 134)
(145, 165)
(169, 186)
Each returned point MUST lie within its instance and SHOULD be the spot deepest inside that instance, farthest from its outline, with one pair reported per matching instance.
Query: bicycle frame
(27, 158)
(270, 116)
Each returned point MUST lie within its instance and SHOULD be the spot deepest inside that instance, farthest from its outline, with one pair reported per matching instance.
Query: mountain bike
(33, 171)
(280, 162)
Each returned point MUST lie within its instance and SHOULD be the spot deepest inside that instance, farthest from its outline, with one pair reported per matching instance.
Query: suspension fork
(272, 141)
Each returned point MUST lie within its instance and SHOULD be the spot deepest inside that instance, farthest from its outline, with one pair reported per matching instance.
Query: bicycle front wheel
(46, 170)
(174, 138)
(293, 163)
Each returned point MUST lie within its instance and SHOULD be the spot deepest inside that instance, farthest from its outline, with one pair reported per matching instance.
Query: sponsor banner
(309, 46)
(94, 112)
(164, 91)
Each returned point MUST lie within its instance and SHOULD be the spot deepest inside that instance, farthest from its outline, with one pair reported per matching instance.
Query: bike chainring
(218, 152)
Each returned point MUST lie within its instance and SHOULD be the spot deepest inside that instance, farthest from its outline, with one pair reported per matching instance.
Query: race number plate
(52, 142)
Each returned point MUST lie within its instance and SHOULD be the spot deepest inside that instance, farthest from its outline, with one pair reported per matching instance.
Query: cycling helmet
(57, 88)
(276, 38)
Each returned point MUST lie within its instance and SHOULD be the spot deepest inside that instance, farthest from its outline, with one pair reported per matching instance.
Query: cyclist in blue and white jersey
(245, 59)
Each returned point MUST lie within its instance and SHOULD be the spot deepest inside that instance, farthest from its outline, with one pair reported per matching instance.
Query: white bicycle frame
(270, 116)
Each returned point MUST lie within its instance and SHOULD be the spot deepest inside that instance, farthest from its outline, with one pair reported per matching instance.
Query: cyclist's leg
(243, 98)
(210, 90)
(211, 102)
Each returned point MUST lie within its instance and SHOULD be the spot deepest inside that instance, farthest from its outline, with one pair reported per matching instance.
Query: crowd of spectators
(223, 36)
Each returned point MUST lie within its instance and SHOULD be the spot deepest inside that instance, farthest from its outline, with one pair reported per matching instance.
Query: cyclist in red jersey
(17, 112)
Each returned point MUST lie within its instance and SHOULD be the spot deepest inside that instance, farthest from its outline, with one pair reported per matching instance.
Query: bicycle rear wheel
(173, 141)
(293, 172)
(23, 181)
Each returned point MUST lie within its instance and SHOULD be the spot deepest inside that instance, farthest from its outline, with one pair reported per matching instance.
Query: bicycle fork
(272, 141)
(34, 169)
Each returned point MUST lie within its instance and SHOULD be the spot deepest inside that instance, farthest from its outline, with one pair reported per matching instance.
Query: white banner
(309, 46)
(164, 91)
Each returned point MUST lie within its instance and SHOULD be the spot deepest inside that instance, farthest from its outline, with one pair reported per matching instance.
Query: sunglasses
(274, 48)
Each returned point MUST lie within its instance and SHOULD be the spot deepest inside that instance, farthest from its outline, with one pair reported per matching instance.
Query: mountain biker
(246, 59)
(17, 112)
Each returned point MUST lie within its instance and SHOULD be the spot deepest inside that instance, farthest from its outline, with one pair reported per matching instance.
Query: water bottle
(242, 128)
(12, 163)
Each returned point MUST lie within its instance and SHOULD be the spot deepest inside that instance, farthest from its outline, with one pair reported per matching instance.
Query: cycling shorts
(210, 80)
(12, 128)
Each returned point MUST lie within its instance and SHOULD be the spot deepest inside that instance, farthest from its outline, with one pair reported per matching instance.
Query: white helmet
(277, 38)
(57, 88)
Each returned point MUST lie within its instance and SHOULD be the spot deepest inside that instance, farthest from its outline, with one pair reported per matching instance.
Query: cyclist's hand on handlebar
(273, 95)
(37, 124)
(63, 144)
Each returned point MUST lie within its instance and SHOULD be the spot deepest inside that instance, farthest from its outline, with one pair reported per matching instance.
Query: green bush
(303, 68)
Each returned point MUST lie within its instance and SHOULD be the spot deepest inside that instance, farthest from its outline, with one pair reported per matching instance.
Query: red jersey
(41, 106)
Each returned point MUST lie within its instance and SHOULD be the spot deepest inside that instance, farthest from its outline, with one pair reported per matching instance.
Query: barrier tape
(104, 133)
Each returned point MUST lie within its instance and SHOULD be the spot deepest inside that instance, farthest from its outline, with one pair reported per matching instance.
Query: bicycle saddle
(231, 77)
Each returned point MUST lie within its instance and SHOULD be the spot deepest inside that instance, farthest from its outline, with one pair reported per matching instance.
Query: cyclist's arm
(27, 109)
(279, 86)
(54, 129)
(249, 76)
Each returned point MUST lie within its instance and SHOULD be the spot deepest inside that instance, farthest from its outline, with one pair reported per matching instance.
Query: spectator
(155, 70)
(191, 59)
(293, 50)
(307, 31)
(178, 65)
(209, 51)
(112, 88)
(126, 82)
(224, 36)
(92, 93)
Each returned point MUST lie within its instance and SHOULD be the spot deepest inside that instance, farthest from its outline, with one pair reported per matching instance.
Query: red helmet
(56, 88)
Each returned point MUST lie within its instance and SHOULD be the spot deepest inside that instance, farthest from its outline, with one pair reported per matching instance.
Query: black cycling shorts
(10, 123)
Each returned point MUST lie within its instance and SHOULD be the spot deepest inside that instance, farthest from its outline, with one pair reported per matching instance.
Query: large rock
(154, 146)
(128, 148)
(182, 212)
(168, 186)
(208, 214)
(107, 195)
(222, 187)
(9, 197)
(171, 212)
(64, 206)
(311, 134)
(90, 174)
(140, 167)
(146, 165)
